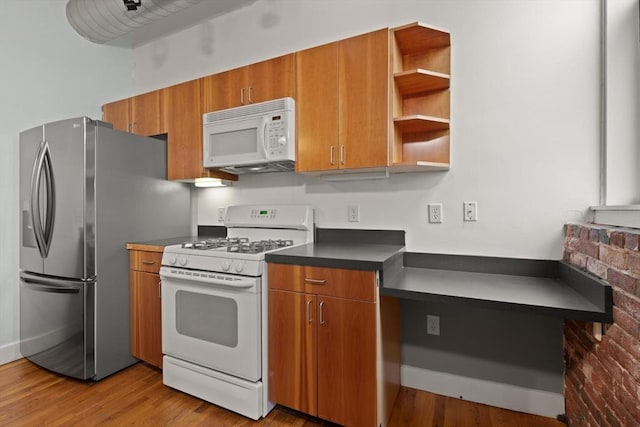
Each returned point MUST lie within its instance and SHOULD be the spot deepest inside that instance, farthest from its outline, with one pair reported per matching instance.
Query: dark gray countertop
(546, 287)
(157, 245)
(354, 256)
(538, 286)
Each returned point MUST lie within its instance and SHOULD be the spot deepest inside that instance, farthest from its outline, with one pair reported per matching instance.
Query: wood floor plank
(31, 396)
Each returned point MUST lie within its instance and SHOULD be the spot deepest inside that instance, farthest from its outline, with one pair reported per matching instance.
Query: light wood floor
(32, 396)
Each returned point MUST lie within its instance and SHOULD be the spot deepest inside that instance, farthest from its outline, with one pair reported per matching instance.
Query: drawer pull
(315, 281)
(147, 262)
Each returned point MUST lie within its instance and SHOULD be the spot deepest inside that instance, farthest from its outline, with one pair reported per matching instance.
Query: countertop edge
(325, 262)
(145, 247)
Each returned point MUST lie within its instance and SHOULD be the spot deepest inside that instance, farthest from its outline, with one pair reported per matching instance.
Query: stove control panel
(290, 217)
(196, 261)
(264, 213)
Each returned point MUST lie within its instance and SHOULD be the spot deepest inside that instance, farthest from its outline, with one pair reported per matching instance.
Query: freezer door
(70, 147)
(56, 324)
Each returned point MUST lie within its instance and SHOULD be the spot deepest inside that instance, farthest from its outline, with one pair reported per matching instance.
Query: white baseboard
(10, 352)
(492, 393)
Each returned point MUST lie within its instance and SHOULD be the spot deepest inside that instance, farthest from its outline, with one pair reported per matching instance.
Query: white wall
(623, 102)
(525, 116)
(48, 73)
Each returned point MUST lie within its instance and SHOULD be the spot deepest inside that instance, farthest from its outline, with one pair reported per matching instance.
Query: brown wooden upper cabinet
(118, 114)
(183, 119)
(342, 92)
(184, 128)
(141, 114)
(259, 82)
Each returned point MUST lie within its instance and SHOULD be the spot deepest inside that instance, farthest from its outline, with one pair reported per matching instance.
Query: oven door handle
(205, 279)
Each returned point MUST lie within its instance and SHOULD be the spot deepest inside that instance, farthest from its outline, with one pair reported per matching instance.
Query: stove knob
(182, 260)
(172, 260)
(239, 267)
(226, 266)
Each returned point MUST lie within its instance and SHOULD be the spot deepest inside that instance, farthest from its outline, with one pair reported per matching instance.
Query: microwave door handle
(265, 122)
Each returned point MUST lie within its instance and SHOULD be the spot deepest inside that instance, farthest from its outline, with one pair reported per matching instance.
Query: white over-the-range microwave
(251, 138)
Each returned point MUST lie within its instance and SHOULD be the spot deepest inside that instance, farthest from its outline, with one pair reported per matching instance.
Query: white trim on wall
(10, 352)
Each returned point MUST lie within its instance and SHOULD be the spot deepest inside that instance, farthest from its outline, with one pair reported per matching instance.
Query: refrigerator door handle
(51, 199)
(35, 200)
(50, 284)
(42, 234)
(52, 289)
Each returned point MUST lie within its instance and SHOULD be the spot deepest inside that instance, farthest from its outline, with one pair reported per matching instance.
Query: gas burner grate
(214, 243)
(259, 246)
(238, 244)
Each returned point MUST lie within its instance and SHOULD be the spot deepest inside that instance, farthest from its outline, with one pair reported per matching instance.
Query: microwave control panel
(276, 136)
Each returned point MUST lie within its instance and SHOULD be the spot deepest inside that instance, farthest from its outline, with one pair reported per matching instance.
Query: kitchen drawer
(338, 282)
(286, 277)
(145, 261)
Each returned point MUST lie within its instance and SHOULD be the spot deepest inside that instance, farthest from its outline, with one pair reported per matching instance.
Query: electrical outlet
(433, 325)
(470, 211)
(435, 213)
(353, 213)
(221, 212)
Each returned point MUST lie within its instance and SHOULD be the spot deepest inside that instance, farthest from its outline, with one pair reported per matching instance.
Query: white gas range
(214, 306)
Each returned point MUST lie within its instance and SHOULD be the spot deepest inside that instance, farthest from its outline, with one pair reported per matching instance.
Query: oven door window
(197, 312)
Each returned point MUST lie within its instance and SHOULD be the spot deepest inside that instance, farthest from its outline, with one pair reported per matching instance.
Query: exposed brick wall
(602, 378)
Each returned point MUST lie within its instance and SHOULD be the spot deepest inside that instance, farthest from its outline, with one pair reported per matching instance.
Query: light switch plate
(470, 211)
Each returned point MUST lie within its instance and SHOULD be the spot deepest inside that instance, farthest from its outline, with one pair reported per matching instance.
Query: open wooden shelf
(421, 98)
(421, 124)
(419, 167)
(417, 81)
(416, 38)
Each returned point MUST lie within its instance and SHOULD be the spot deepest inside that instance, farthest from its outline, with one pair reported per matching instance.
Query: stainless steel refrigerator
(85, 190)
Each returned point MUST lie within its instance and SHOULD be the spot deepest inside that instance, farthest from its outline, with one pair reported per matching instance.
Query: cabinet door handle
(309, 319)
(242, 96)
(250, 95)
(342, 154)
(331, 155)
(147, 262)
(315, 281)
(322, 313)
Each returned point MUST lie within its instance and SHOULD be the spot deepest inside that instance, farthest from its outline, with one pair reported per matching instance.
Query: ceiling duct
(101, 21)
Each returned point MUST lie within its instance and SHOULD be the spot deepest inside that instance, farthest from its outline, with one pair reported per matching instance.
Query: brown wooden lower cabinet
(328, 355)
(145, 306)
